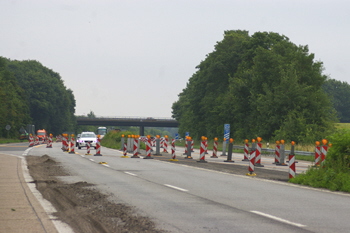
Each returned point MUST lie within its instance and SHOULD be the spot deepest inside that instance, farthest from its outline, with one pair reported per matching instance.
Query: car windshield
(88, 135)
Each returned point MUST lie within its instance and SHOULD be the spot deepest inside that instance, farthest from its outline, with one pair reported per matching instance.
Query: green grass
(10, 140)
(345, 126)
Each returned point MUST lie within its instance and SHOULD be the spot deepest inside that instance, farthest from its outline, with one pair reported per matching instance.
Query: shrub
(334, 173)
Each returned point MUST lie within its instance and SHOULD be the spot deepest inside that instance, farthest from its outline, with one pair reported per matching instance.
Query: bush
(334, 173)
(113, 138)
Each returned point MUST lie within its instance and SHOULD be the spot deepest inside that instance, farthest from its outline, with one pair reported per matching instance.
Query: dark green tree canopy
(339, 94)
(263, 85)
(45, 100)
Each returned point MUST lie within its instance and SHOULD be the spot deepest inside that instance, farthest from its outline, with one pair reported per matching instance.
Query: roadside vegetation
(31, 93)
(334, 173)
(10, 140)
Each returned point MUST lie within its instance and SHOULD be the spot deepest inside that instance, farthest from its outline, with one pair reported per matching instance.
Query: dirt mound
(80, 205)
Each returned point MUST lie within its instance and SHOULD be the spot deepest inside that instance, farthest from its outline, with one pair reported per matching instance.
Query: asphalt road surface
(182, 198)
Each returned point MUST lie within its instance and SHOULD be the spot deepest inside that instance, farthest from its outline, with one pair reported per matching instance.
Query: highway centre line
(177, 188)
(131, 174)
(277, 218)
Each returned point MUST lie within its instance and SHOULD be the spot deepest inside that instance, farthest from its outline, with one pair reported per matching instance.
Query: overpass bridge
(129, 121)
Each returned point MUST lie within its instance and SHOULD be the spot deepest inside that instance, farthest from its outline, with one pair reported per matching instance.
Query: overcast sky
(133, 57)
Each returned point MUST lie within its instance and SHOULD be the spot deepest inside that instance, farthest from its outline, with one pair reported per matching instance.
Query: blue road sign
(177, 136)
(187, 134)
(227, 131)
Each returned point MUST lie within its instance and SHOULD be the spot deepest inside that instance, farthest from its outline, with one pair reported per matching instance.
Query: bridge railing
(130, 117)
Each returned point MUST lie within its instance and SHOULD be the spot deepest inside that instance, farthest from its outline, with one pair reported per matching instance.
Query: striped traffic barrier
(252, 156)
(157, 146)
(36, 138)
(224, 143)
(192, 145)
(258, 153)
(72, 144)
(317, 153)
(98, 146)
(148, 148)
(136, 143)
(246, 150)
(88, 146)
(49, 143)
(292, 162)
(125, 148)
(282, 154)
(186, 140)
(31, 140)
(63, 144)
(215, 149)
(277, 153)
(122, 140)
(202, 151)
(173, 155)
(324, 150)
(165, 144)
(206, 146)
(188, 148)
(229, 152)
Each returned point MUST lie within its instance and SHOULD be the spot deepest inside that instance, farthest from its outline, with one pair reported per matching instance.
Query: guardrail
(272, 151)
(135, 117)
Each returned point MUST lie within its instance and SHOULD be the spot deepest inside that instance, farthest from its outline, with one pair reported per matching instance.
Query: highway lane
(186, 199)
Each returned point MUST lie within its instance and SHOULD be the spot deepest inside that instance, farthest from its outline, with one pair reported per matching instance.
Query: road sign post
(226, 138)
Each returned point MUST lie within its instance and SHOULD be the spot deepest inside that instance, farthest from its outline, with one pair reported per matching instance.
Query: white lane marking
(177, 188)
(61, 227)
(91, 160)
(278, 219)
(131, 174)
(106, 165)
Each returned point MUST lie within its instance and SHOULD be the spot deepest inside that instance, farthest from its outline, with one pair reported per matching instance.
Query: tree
(51, 104)
(339, 94)
(263, 85)
(14, 110)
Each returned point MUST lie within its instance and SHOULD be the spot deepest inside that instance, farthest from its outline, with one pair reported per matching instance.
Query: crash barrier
(98, 146)
(215, 149)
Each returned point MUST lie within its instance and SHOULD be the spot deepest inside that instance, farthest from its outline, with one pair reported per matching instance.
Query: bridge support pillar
(142, 130)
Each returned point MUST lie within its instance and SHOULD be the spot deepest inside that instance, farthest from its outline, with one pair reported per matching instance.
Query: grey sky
(133, 57)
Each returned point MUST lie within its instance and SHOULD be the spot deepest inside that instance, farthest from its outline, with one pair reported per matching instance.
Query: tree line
(31, 93)
(262, 85)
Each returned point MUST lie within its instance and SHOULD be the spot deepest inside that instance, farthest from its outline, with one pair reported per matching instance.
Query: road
(186, 199)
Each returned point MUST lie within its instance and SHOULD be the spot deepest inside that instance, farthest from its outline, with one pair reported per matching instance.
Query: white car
(87, 137)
